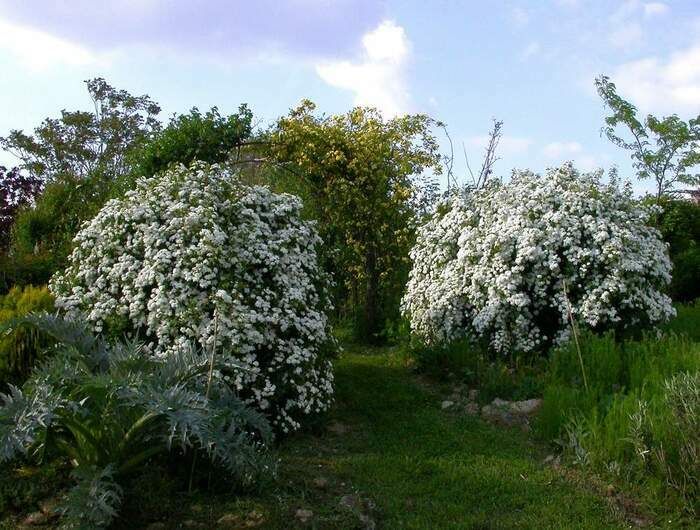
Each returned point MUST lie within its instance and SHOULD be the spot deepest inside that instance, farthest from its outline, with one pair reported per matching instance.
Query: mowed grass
(412, 465)
(426, 468)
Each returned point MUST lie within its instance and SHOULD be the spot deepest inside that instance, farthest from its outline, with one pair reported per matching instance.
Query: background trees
(208, 137)
(363, 178)
(663, 149)
(666, 150)
(16, 190)
(87, 143)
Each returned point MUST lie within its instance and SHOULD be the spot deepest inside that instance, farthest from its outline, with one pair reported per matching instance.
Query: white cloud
(557, 150)
(626, 29)
(653, 9)
(376, 80)
(658, 85)
(37, 50)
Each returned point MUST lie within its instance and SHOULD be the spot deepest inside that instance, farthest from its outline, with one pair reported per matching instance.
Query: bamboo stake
(575, 333)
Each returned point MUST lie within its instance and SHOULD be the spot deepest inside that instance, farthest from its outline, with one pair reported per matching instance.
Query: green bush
(110, 408)
(22, 348)
(685, 282)
(209, 137)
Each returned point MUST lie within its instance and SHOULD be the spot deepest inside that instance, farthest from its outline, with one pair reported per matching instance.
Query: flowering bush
(190, 244)
(496, 263)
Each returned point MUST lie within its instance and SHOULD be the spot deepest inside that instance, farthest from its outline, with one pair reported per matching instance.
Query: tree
(666, 150)
(83, 144)
(16, 190)
(209, 137)
(361, 177)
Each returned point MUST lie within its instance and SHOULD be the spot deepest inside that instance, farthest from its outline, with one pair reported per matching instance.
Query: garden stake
(573, 330)
(209, 378)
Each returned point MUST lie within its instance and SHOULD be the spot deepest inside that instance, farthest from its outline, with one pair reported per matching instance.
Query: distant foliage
(21, 349)
(207, 137)
(83, 143)
(189, 244)
(109, 408)
(491, 264)
(81, 157)
(42, 235)
(16, 190)
(679, 224)
(364, 178)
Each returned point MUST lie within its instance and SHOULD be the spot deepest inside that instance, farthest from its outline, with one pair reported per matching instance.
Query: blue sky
(528, 63)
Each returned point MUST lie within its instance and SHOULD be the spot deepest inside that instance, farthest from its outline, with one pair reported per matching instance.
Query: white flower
(492, 263)
(191, 243)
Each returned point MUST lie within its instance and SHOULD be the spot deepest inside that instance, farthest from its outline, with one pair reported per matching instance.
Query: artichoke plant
(109, 407)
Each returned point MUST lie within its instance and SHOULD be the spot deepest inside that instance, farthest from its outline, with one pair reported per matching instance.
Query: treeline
(368, 181)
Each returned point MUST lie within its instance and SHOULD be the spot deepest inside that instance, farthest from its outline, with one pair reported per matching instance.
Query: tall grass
(639, 420)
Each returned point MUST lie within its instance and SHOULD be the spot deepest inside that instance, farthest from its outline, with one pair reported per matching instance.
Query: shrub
(685, 286)
(492, 263)
(195, 136)
(190, 244)
(21, 349)
(110, 408)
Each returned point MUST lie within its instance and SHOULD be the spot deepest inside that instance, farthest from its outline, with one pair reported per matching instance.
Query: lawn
(390, 456)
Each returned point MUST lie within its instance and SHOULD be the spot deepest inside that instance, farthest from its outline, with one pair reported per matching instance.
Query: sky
(531, 64)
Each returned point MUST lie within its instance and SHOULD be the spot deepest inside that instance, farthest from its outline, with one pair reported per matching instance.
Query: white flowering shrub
(494, 263)
(190, 244)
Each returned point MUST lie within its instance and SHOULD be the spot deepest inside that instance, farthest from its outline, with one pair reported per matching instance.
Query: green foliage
(473, 365)
(81, 144)
(663, 149)
(679, 224)
(665, 434)
(685, 283)
(208, 137)
(360, 176)
(23, 486)
(23, 347)
(686, 321)
(42, 234)
(632, 395)
(110, 408)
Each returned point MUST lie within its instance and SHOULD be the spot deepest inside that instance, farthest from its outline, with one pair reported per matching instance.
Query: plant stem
(575, 333)
(209, 378)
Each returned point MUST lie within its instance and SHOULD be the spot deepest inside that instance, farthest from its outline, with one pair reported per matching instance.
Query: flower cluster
(499, 263)
(194, 255)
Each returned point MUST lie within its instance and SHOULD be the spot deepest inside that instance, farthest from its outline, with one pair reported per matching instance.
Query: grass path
(419, 466)
(426, 468)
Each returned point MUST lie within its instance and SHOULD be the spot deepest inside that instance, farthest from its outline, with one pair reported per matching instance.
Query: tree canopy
(666, 150)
